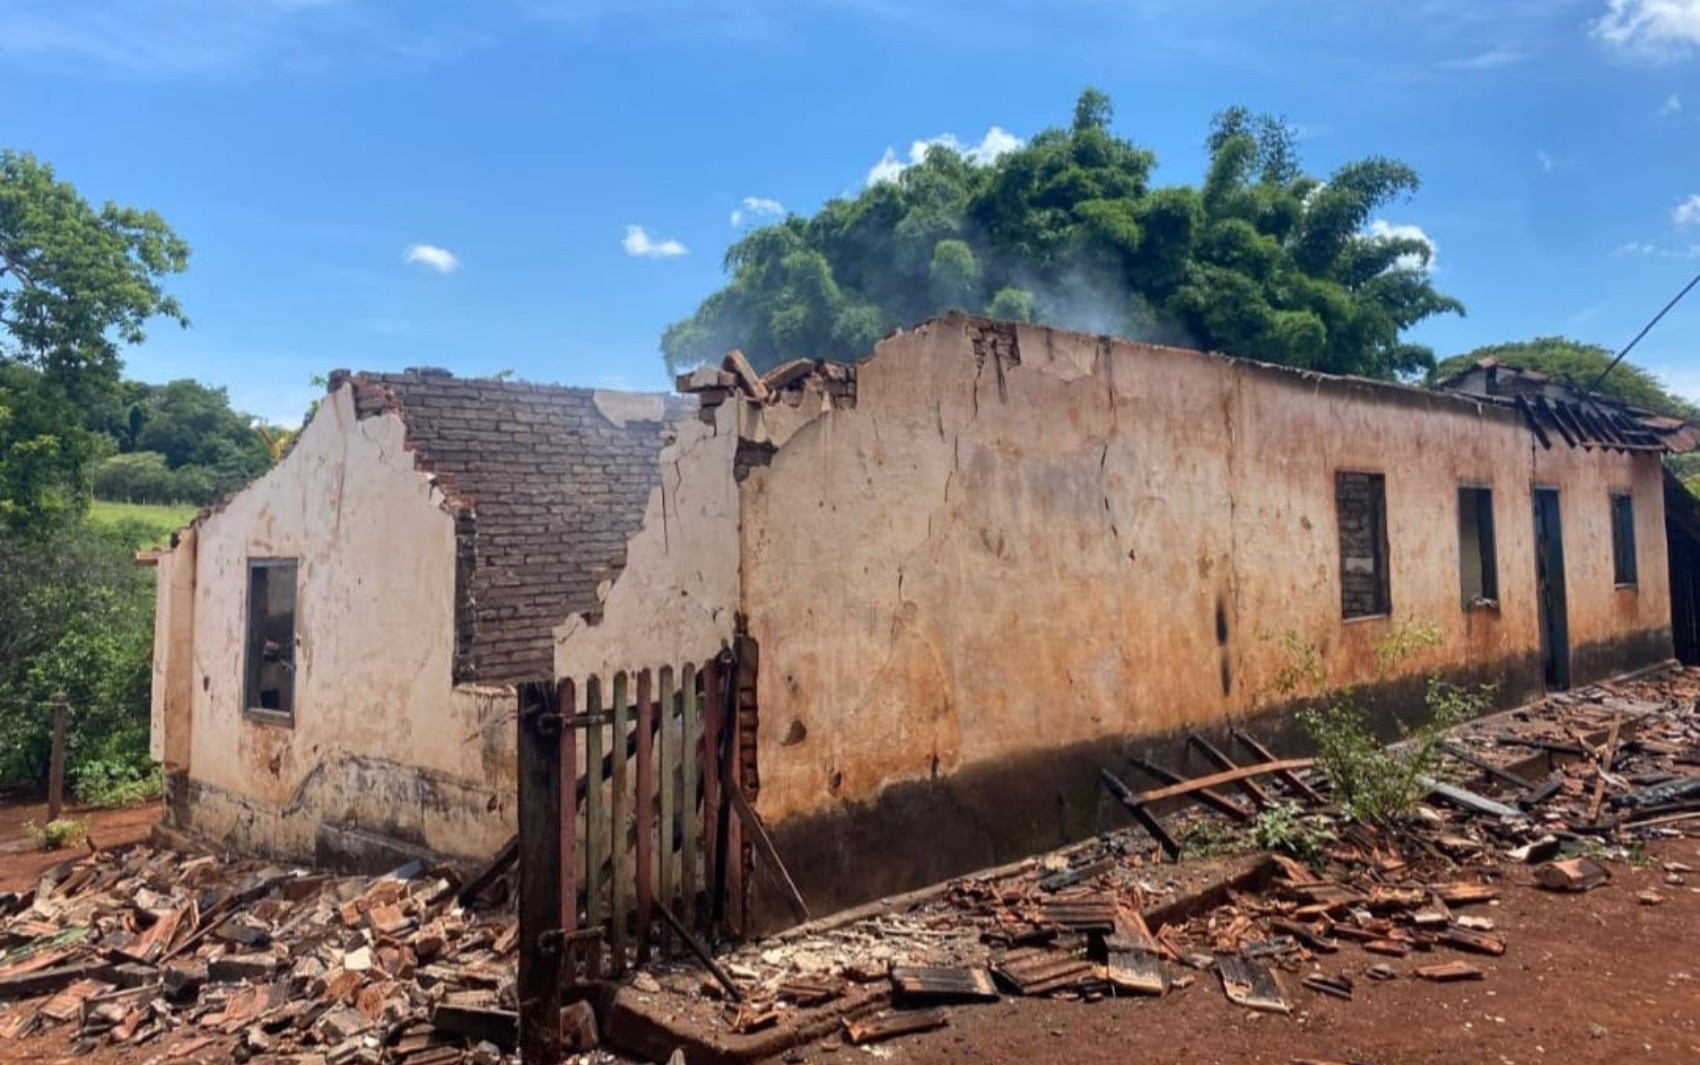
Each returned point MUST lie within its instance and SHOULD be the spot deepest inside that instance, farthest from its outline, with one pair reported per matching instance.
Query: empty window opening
(269, 681)
(1360, 502)
(1478, 563)
(1622, 539)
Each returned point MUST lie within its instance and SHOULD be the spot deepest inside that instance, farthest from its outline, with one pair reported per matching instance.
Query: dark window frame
(1376, 483)
(1625, 573)
(261, 572)
(1475, 505)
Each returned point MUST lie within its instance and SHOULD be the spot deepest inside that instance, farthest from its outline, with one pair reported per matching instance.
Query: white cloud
(431, 257)
(1547, 162)
(755, 207)
(1671, 106)
(1381, 229)
(1662, 28)
(996, 143)
(1687, 213)
(641, 245)
(1492, 59)
(1634, 247)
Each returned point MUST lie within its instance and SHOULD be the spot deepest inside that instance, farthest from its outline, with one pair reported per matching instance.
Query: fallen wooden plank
(1146, 818)
(1337, 986)
(1207, 795)
(1608, 754)
(702, 953)
(1226, 776)
(1220, 760)
(1448, 972)
(1497, 772)
(1468, 800)
(770, 860)
(1286, 776)
(503, 860)
(48, 981)
(893, 1023)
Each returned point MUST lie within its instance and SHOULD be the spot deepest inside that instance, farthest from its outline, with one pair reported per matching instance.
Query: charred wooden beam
(1124, 795)
(1220, 760)
(1210, 797)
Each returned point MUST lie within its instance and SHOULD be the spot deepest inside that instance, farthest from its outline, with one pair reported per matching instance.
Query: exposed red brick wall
(546, 492)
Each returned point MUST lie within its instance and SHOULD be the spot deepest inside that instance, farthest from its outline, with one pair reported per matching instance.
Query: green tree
(76, 616)
(1260, 260)
(1578, 364)
(76, 283)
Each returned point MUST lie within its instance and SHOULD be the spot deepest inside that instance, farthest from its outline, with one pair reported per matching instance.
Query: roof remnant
(1553, 408)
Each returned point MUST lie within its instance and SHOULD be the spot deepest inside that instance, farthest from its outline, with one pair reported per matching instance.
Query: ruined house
(335, 644)
(961, 575)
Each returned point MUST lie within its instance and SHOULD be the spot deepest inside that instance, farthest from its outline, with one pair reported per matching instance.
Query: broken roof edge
(1674, 435)
(705, 378)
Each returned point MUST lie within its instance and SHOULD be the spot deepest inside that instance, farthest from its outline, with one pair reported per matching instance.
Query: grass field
(159, 519)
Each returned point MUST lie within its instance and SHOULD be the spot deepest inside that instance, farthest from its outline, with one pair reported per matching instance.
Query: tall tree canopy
(76, 283)
(1261, 260)
(1580, 364)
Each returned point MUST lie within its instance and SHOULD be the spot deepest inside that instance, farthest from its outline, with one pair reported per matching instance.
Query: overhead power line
(1648, 328)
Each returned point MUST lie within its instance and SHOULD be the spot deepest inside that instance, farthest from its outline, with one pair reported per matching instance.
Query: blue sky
(456, 182)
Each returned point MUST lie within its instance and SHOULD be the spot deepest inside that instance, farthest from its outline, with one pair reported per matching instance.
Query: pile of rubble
(1558, 786)
(127, 948)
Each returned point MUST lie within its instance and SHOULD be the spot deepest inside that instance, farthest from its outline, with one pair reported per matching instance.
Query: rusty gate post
(56, 765)
(540, 937)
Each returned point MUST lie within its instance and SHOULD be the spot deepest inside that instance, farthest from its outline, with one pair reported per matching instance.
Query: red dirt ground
(1590, 978)
(22, 863)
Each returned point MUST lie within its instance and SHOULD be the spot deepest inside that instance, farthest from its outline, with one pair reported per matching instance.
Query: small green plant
(1285, 826)
(56, 835)
(1303, 668)
(1210, 837)
(116, 782)
(1402, 643)
(1382, 785)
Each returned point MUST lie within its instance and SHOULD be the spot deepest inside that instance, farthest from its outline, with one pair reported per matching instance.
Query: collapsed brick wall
(546, 491)
(1360, 500)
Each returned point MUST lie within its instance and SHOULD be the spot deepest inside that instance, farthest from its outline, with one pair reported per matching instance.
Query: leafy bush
(123, 782)
(1378, 784)
(57, 835)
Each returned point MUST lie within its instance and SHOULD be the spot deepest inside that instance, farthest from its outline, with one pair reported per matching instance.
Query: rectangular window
(1360, 502)
(269, 675)
(1622, 539)
(1478, 564)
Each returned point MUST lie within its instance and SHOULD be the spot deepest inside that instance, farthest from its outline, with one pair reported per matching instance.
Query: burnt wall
(1022, 541)
(926, 831)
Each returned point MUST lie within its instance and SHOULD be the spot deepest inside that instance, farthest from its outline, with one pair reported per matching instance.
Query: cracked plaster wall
(382, 739)
(676, 599)
(1069, 538)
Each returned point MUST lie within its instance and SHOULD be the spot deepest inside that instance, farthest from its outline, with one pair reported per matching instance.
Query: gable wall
(382, 740)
